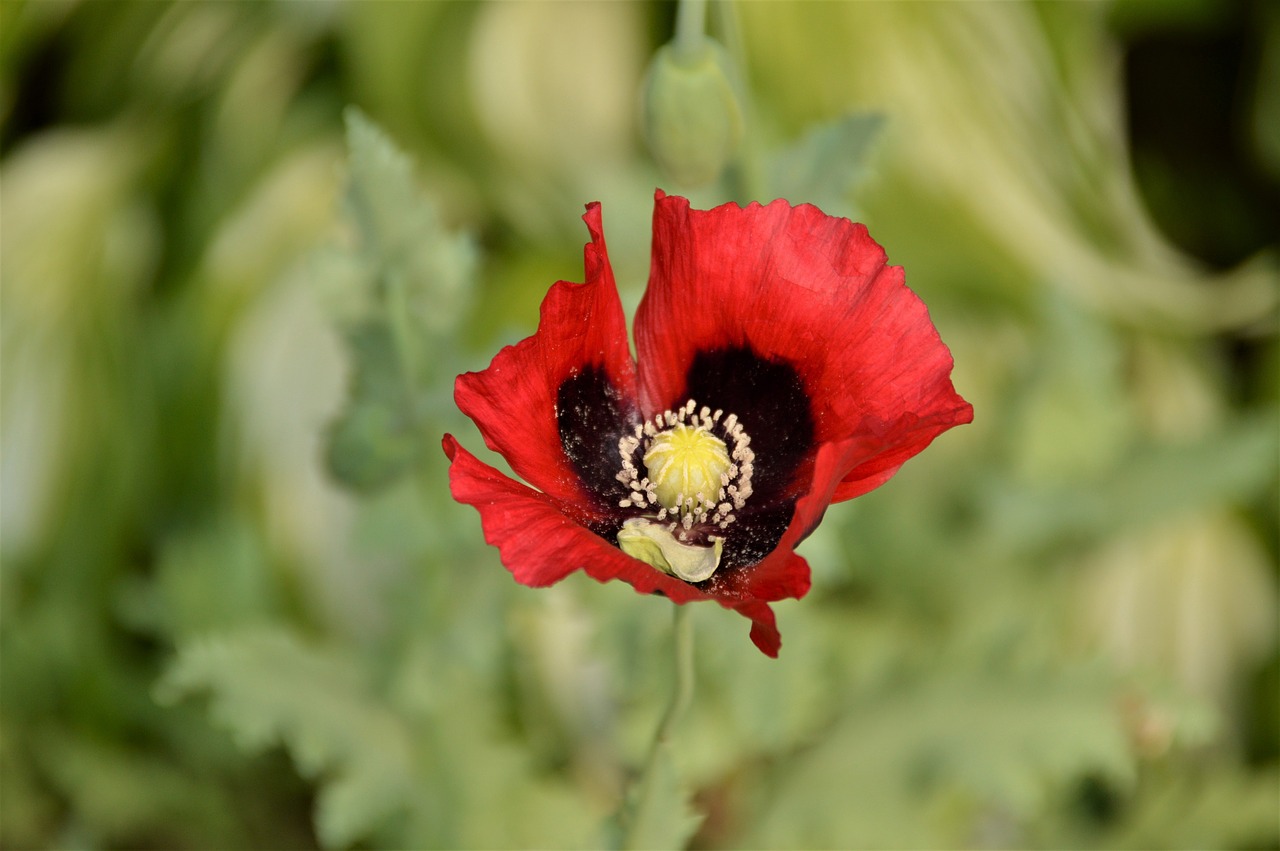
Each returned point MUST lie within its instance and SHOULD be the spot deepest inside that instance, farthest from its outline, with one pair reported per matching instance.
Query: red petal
(514, 401)
(783, 574)
(878, 459)
(526, 528)
(809, 289)
(764, 628)
(540, 545)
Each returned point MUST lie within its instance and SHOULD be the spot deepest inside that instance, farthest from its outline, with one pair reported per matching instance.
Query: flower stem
(681, 697)
(682, 693)
(691, 26)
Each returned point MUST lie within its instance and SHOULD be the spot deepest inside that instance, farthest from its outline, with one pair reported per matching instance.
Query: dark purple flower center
(741, 398)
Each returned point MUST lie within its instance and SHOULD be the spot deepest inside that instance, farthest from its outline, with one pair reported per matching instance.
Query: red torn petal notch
(581, 342)
(764, 627)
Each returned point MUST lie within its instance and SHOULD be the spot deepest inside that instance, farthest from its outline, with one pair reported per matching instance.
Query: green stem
(681, 697)
(749, 171)
(682, 694)
(691, 27)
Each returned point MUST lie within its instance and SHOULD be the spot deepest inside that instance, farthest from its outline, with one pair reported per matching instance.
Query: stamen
(694, 478)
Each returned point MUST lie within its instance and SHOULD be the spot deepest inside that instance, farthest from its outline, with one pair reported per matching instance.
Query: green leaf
(1188, 806)
(500, 796)
(119, 791)
(267, 687)
(28, 809)
(399, 293)
(825, 164)
(918, 766)
(400, 233)
(210, 577)
(376, 438)
(659, 815)
(1154, 484)
(1077, 412)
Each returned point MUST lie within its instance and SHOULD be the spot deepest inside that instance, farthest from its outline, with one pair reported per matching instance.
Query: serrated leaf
(892, 767)
(505, 800)
(487, 788)
(659, 814)
(824, 165)
(382, 197)
(398, 292)
(267, 687)
(400, 231)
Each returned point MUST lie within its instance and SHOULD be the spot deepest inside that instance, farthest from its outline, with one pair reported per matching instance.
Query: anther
(693, 477)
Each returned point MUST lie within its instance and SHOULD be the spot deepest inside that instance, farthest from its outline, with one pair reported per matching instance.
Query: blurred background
(239, 610)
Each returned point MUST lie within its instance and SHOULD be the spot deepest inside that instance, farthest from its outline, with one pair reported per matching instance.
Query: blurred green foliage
(239, 609)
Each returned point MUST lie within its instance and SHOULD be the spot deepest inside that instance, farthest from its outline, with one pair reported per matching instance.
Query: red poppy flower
(782, 366)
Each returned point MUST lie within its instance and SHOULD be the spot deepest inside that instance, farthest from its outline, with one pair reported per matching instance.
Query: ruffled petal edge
(541, 545)
(794, 285)
(514, 400)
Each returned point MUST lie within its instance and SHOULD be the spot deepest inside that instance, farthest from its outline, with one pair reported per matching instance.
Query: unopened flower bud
(692, 114)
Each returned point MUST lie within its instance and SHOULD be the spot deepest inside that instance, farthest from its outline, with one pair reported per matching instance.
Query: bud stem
(691, 28)
(751, 183)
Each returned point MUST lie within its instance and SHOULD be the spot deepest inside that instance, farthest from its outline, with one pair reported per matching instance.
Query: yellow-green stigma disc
(682, 463)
